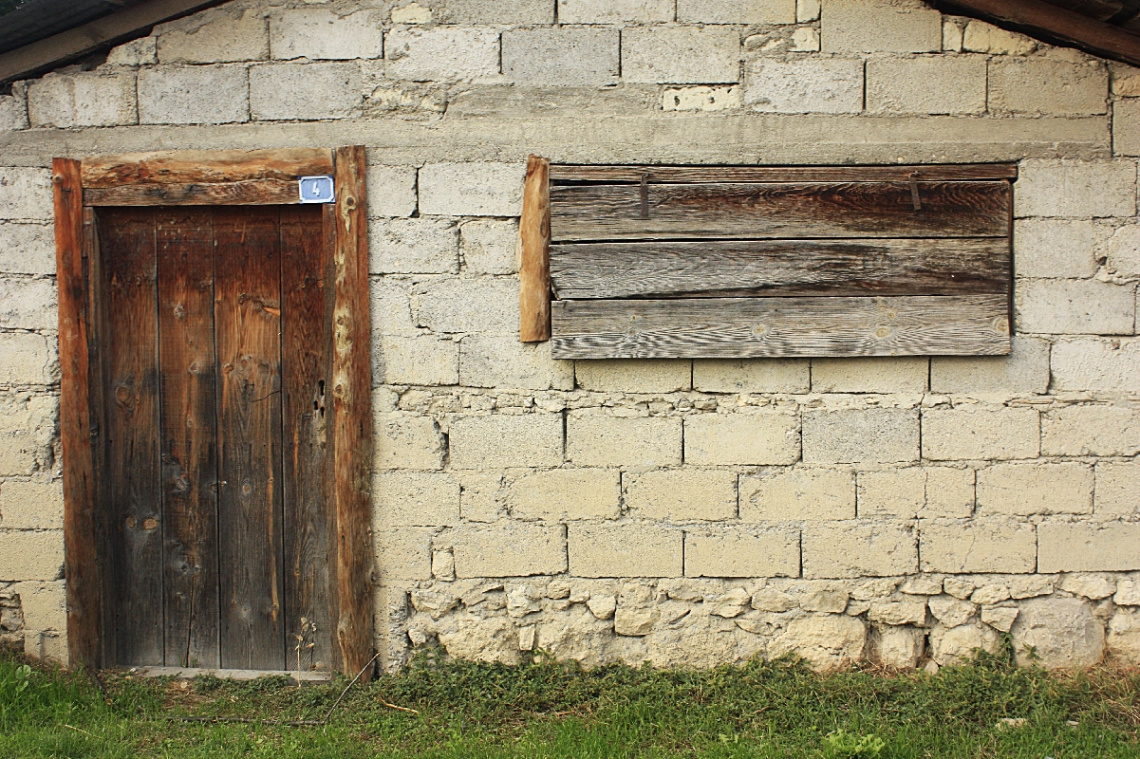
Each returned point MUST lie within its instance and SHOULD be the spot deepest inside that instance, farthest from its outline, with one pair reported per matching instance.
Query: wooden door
(216, 503)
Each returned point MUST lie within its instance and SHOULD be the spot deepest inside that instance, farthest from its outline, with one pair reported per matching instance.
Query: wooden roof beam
(1052, 24)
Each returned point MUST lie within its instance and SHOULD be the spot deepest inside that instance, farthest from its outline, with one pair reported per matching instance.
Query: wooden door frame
(215, 178)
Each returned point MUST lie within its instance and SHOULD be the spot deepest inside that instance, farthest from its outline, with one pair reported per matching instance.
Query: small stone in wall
(957, 645)
(923, 585)
(1094, 587)
(959, 587)
(526, 638)
(1127, 593)
(602, 607)
(990, 594)
(433, 603)
(1000, 617)
(950, 611)
(490, 639)
(1057, 633)
(770, 599)
(1124, 636)
(523, 600)
(907, 610)
(731, 604)
(829, 601)
(1030, 587)
(981, 37)
(412, 13)
(443, 565)
(825, 642)
(897, 647)
(634, 622)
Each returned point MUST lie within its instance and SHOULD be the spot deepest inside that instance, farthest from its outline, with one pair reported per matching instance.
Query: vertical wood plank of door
(185, 246)
(247, 321)
(134, 619)
(310, 514)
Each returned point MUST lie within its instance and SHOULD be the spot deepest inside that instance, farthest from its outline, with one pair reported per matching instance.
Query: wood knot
(150, 523)
(350, 202)
(131, 523)
(882, 332)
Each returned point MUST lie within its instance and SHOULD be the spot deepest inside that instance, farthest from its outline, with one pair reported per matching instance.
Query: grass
(544, 709)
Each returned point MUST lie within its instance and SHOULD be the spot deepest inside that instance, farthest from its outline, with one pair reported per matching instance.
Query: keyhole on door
(319, 403)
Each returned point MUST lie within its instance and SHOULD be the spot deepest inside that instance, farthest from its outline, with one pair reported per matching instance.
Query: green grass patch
(546, 709)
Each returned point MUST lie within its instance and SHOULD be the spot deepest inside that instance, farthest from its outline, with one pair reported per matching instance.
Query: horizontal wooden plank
(951, 325)
(254, 192)
(723, 268)
(205, 166)
(695, 174)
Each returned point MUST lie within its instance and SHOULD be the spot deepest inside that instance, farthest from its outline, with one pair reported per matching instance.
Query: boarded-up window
(736, 262)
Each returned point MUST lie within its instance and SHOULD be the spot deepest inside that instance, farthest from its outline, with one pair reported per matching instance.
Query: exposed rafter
(1051, 23)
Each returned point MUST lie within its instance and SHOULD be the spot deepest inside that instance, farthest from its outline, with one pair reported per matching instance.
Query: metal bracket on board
(316, 189)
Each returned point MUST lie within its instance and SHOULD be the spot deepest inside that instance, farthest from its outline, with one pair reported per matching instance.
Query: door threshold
(189, 673)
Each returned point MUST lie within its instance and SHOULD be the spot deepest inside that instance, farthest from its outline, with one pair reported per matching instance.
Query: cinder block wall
(689, 513)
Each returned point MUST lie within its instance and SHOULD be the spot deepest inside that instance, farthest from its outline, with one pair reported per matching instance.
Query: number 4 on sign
(316, 189)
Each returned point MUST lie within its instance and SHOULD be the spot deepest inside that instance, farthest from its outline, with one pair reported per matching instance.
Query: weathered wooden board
(352, 416)
(306, 366)
(247, 321)
(134, 622)
(74, 242)
(185, 239)
(252, 192)
(723, 268)
(779, 210)
(534, 240)
(562, 173)
(784, 327)
(205, 166)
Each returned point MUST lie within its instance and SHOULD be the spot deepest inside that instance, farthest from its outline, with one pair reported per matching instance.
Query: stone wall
(680, 512)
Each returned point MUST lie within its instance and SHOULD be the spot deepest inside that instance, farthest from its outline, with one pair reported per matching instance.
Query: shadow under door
(215, 516)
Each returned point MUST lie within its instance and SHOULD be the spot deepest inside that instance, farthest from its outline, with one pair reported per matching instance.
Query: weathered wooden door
(216, 501)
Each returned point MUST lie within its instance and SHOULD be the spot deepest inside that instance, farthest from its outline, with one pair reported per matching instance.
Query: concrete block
(1083, 547)
(1074, 307)
(29, 304)
(403, 440)
(1125, 79)
(807, 11)
(1096, 365)
(391, 309)
(977, 545)
(752, 376)
(678, 495)
(798, 493)
(625, 549)
(415, 499)
(1025, 370)
(649, 375)
(403, 553)
(487, 246)
(31, 505)
(28, 555)
(1126, 127)
(596, 438)
(949, 492)
(485, 12)
(27, 359)
(759, 438)
(391, 190)
(1052, 248)
(736, 11)
(44, 605)
(1041, 86)
(304, 91)
(1123, 252)
(485, 305)
(859, 549)
(321, 34)
(699, 98)
(83, 99)
(980, 37)
(420, 360)
(27, 249)
(172, 95)
(942, 84)
(680, 55)
(812, 85)
(899, 493)
(742, 551)
(1033, 489)
(980, 433)
(1076, 188)
(472, 189)
(14, 110)
(442, 52)
(140, 52)
(218, 36)
(504, 362)
(563, 56)
(482, 497)
(1099, 430)
(28, 422)
(1117, 494)
(413, 246)
(880, 26)
(860, 435)
(951, 35)
(25, 194)
(566, 494)
(509, 549)
(614, 11)
(908, 374)
(518, 440)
